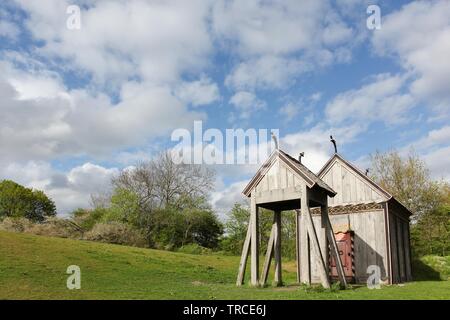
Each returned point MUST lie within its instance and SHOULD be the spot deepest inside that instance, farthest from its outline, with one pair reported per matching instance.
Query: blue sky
(77, 106)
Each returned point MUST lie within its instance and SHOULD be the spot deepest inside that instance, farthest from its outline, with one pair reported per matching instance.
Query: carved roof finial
(275, 140)
(334, 144)
(300, 156)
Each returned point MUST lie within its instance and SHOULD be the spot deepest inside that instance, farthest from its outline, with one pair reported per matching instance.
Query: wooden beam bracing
(254, 241)
(244, 257)
(269, 255)
(335, 253)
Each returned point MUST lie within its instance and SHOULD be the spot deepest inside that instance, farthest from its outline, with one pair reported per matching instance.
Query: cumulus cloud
(434, 147)
(42, 119)
(380, 100)
(418, 35)
(118, 40)
(277, 41)
(198, 93)
(290, 110)
(226, 196)
(268, 72)
(246, 102)
(315, 142)
(438, 166)
(70, 189)
(9, 30)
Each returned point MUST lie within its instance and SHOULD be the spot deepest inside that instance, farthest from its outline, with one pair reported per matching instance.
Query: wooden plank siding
(369, 242)
(394, 249)
(376, 241)
(351, 188)
(400, 247)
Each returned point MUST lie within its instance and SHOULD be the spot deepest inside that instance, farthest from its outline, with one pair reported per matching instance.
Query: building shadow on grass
(423, 272)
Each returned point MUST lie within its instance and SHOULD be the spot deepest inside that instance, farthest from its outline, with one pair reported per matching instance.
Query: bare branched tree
(162, 182)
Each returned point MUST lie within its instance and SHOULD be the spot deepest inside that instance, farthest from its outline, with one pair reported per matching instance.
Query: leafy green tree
(88, 218)
(408, 179)
(237, 225)
(19, 201)
(124, 207)
(201, 227)
(431, 234)
(167, 229)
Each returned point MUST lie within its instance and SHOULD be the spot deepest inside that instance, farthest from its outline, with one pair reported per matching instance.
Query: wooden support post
(324, 236)
(244, 257)
(269, 255)
(297, 243)
(277, 248)
(314, 240)
(305, 267)
(335, 253)
(254, 241)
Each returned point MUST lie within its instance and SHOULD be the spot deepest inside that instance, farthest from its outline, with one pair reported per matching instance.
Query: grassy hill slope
(34, 267)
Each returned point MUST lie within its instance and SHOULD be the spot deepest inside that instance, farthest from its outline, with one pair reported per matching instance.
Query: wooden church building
(340, 212)
(371, 226)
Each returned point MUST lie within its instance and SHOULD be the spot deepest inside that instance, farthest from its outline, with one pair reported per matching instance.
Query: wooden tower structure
(284, 183)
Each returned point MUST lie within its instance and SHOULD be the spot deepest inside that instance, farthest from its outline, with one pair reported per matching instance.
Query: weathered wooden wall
(400, 247)
(369, 242)
(279, 176)
(351, 188)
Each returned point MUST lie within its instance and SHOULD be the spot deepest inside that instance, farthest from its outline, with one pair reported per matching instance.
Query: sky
(77, 105)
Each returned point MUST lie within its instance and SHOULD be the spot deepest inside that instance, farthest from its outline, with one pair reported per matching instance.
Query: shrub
(194, 248)
(52, 227)
(117, 233)
(55, 227)
(15, 224)
(87, 219)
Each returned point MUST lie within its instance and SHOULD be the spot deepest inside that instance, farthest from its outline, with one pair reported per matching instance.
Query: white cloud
(225, 197)
(246, 102)
(9, 30)
(69, 190)
(118, 40)
(316, 145)
(438, 163)
(278, 41)
(41, 119)
(289, 111)
(434, 147)
(198, 93)
(380, 100)
(436, 137)
(419, 36)
(269, 72)
(262, 27)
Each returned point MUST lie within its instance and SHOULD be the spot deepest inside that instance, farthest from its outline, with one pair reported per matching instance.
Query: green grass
(34, 267)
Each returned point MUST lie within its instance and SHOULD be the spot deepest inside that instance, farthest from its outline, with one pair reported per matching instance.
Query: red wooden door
(344, 244)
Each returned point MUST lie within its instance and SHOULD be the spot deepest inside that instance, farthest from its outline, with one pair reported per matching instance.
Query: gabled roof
(389, 196)
(310, 178)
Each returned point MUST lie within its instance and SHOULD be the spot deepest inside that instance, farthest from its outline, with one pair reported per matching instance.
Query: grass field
(34, 267)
